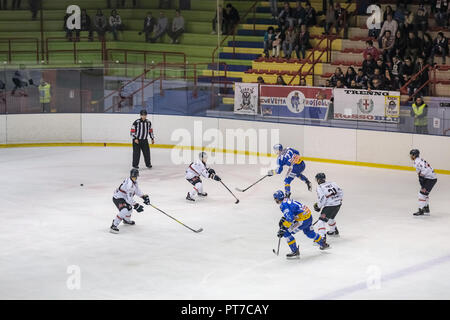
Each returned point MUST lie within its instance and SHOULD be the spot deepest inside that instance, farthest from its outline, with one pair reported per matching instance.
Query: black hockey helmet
(143, 112)
(203, 156)
(134, 173)
(414, 152)
(320, 177)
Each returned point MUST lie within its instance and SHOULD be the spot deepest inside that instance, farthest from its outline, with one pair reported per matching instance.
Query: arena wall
(336, 145)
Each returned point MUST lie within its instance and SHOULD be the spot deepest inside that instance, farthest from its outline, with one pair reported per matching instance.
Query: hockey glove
(316, 207)
(308, 183)
(146, 199)
(271, 173)
(138, 207)
(216, 177)
(281, 232)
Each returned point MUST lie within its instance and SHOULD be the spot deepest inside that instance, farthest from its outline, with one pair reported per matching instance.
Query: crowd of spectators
(403, 47)
(292, 34)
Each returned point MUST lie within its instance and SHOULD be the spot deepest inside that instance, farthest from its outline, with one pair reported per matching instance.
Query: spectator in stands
(100, 24)
(399, 44)
(370, 49)
(426, 44)
(177, 27)
(280, 81)
(387, 12)
(419, 110)
(15, 4)
(302, 42)
(407, 70)
(34, 8)
(274, 8)
(409, 22)
(299, 14)
(286, 17)
(376, 85)
(368, 65)
(399, 16)
(260, 80)
(396, 68)
(340, 14)
(289, 43)
(389, 82)
(389, 25)
(440, 46)
(330, 20)
(219, 13)
(440, 12)
(311, 16)
(86, 25)
(340, 84)
(422, 78)
(269, 37)
(381, 65)
(277, 42)
(377, 75)
(413, 45)
(387, 46)
(421, 20)
(361, 79)
(338, 75)
(374, 25)
(327, 83)
(350, 75)
(161, 27)
(302, 82)
(230, 19)
(115, 23)
(353, 85)
(149, 25)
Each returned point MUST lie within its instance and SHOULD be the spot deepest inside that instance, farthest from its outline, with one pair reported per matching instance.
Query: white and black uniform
(123, 198)
(193, 173)
(427, 180)
(330, 197)
(141, 130)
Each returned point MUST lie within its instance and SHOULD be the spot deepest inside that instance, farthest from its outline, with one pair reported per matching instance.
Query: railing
(11, 51)
(310, 57)
(75, 49)
(404, 88)
(145, 53)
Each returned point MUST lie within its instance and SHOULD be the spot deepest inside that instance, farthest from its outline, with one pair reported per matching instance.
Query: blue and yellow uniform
(291, 158)
(296, 217)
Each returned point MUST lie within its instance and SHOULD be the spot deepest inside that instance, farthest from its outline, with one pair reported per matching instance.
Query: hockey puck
(81, 185)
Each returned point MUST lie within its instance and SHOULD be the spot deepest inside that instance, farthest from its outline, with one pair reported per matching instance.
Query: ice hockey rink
(52, 226)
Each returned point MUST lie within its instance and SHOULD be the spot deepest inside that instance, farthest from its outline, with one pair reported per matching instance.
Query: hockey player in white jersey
(427, 180)
(196, 170)
(329, 201)
(123, 198)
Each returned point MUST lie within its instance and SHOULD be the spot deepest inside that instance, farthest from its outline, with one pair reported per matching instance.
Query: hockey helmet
(134, 173)
(278, 147)
(414, 152)
(320, 177)
(278, 195)
(203, 156)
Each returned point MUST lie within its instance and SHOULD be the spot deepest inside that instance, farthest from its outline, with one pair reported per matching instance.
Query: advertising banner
(365, 105)
(246, 98)
(295, 102)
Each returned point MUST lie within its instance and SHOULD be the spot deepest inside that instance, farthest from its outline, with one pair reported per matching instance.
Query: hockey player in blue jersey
(289, 157)
(296, 217)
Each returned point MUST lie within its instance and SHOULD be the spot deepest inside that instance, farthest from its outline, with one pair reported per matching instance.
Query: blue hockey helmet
(277, 147)
(278, 195)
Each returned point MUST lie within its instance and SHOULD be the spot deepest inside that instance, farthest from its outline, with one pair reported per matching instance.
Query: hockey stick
(278, 250)
(237, 200)
(196, 231)
(243, 190)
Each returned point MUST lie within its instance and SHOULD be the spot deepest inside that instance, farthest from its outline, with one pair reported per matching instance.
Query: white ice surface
(49, 222)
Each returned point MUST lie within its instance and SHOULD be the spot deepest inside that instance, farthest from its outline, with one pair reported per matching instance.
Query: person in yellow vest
(419, 111)
(45, 95)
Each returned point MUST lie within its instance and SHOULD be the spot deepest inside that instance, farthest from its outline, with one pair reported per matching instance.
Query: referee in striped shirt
(140, 130)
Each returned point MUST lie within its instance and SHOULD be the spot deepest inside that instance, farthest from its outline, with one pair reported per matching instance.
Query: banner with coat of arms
(295, 102)
(365, 105)
(246, 98)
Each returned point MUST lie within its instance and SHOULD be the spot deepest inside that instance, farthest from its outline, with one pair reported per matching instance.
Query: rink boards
(335, 145)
